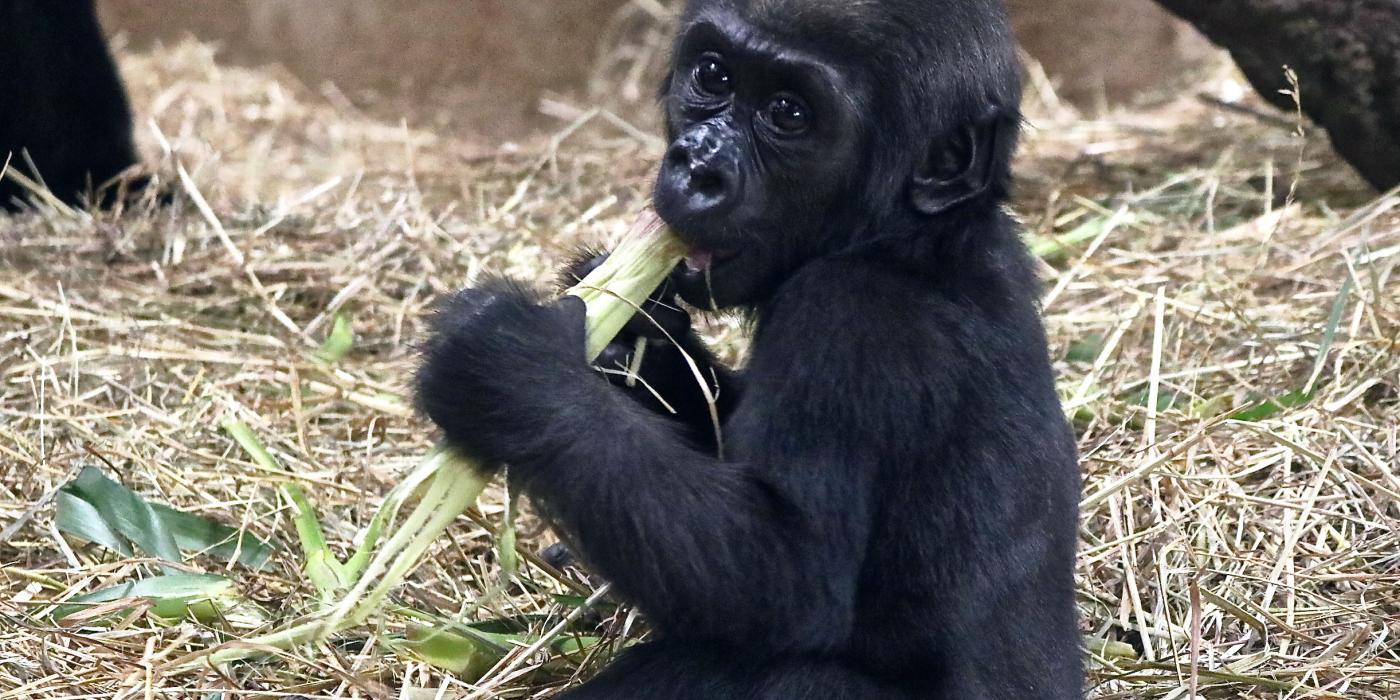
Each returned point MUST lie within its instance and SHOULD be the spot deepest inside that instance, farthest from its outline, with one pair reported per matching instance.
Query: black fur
(893, 514)
(61, 100)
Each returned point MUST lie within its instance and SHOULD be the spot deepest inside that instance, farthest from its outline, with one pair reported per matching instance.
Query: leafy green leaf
(172, 593)
(1086, 349)
(126, 514)
(80, 519)
(197, 534)
(339, 342)
(98, 510)
(462, 656)
(1272, 407)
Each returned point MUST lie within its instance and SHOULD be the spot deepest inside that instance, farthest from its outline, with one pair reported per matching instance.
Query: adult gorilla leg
(1346, 55)
(61, 100)
(692, 671)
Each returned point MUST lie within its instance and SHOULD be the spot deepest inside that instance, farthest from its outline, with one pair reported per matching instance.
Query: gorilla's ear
(957, 167)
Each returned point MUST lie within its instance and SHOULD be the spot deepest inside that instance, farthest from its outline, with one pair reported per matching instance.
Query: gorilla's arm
(766, 543)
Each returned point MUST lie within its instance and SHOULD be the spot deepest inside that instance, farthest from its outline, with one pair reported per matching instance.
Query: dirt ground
(1221, 298)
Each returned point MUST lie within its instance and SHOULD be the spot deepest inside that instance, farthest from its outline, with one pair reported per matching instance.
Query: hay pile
(1251, 558)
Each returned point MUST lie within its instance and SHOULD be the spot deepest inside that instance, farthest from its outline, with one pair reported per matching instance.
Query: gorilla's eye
(788, 115)
(713, 77)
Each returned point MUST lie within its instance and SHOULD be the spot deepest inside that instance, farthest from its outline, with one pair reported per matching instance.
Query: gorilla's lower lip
(701, 260)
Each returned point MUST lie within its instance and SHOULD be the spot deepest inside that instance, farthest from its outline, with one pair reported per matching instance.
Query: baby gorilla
(891, 510)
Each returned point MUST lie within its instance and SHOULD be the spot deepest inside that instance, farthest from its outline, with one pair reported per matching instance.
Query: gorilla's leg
(61, 100)
(689, 671)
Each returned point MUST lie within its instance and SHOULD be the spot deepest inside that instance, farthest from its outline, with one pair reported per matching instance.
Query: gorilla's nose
(700, 177)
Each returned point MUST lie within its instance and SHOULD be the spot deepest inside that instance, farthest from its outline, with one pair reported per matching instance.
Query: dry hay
(1254, 558)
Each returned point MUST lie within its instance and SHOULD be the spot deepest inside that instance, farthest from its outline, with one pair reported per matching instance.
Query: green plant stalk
(456, 485)
(613, 293)
(319, 564)
(412, 486)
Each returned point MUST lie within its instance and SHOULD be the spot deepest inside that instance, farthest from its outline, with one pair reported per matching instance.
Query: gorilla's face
(764, 149)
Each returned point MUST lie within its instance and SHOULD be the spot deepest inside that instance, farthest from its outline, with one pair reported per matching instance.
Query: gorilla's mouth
(702, 260)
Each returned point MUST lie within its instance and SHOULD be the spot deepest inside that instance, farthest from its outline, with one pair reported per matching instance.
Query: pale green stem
(612, 293)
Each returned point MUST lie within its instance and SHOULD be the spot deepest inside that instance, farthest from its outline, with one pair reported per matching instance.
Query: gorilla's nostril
(677, 157)
(707, 183)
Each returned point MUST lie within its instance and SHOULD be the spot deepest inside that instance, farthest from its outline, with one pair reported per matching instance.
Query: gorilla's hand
(498, 362)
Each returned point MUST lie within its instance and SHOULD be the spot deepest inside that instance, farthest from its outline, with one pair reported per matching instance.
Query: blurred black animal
(892, 510)
(61, 102)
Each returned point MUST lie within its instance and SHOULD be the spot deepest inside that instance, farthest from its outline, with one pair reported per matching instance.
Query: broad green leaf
(1272, 407)
(467, 657)
(1086, 349)
(339, 342)
(198, 534)
(172, 594)
(78, 518)
(126, 514)
(575, 644)
(81, 516)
